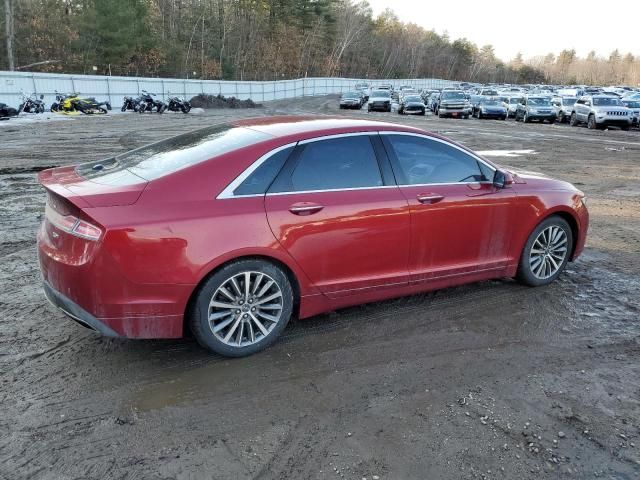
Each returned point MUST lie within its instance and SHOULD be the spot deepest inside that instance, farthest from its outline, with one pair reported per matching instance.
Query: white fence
(115, 88)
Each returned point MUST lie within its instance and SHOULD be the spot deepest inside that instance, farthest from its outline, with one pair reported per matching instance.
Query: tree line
(266, 40)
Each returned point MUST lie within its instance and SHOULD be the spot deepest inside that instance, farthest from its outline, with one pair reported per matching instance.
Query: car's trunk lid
(93, 185)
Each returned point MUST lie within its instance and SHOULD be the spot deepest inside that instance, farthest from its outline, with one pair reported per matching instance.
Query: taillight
(73, 225)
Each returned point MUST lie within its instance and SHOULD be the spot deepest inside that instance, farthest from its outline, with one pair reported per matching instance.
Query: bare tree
(9, 32)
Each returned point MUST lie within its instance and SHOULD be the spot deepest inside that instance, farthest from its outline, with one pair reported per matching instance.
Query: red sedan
(233, 229)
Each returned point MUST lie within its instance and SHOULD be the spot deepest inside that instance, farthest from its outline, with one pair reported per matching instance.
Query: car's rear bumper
(76, 312)
(97, 293)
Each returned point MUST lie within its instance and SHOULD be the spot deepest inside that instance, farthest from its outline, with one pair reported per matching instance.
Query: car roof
(313, 126)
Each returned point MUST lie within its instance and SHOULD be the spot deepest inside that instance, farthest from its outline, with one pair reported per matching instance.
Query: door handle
(305, 208)
(429, 198)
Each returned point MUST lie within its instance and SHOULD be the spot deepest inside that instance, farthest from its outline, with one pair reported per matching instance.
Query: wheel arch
(567, 216)
(287, 269)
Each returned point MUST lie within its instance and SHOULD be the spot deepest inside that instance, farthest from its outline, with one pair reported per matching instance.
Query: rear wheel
(546, 252)
(242, 308)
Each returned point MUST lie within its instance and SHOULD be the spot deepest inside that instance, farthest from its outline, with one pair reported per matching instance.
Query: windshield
(515, 100)
(380, 93)
(539, 101)
(412, 98)
(173, 154)
(568, 100)
(632, 104)
(606, 101)
(351, 95)
(453, 96)
(489, 92)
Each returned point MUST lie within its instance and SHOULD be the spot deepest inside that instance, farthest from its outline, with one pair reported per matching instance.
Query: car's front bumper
(384, 106)
(615, 121)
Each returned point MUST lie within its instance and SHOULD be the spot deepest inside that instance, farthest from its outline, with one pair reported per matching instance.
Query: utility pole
(8, 15)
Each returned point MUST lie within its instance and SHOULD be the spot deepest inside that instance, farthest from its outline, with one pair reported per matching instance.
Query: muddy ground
(492, 380)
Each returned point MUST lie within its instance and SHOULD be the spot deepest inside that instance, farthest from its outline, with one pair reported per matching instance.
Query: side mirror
(502, 179)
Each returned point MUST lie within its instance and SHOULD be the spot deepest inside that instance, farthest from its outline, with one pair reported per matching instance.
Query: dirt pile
(220, 101)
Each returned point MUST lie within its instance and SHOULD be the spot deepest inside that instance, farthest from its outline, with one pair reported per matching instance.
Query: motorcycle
(72, 103)
(131, 103)
(31, 104)
(177, 104)
(148, 102)
(7, 112)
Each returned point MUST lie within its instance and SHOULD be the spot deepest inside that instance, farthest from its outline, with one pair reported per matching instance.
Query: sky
(532, 28)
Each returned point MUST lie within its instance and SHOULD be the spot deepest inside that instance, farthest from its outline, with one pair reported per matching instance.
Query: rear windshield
(173, 154)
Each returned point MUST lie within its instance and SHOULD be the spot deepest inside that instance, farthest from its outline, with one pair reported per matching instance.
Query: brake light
(73, 225)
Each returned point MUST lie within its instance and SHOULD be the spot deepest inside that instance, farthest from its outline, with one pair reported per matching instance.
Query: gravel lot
(492, 380)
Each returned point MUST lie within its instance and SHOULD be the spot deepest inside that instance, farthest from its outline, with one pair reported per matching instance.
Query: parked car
(412, 104)
(352, 100)
(453, 103)
(379, 100)
(511, 104)
(432, 102)
(492, 108)
(296, 217)
(634, 106)
(364, 89)
(563, 106)
(535, 107)
(600, 111)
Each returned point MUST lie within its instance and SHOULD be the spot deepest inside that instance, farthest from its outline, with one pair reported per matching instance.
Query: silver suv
(600, 111)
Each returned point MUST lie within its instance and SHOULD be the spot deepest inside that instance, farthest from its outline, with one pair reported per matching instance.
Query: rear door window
(333, 164)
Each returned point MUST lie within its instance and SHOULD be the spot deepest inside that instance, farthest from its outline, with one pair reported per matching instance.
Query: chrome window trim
(228, 191)
(337, 135)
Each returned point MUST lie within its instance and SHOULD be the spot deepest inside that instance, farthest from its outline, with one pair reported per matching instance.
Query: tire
(440, 115)
(504, 117)
(212, 289)
(573, 120)
(591, 122)
(479, 115)
(531, 264)
(525, 118)
(626, 129)
(552, 121)
(124, 108)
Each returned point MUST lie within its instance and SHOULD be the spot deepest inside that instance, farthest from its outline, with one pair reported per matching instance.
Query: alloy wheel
(548, 252)
(245, 309)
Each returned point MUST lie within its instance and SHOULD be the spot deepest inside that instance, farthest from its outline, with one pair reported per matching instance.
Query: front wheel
(591, 122)
(573, 120)
(242, 308)
(546, 252)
